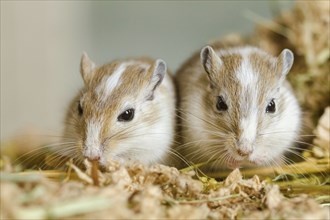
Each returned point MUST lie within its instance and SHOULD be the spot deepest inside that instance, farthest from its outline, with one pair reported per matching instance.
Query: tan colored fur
(208, 134)
(134, 83)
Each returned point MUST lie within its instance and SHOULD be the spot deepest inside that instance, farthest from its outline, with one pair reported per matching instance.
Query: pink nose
(92, 154)
(243, 153)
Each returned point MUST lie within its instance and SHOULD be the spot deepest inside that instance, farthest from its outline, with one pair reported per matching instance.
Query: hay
(138, 192)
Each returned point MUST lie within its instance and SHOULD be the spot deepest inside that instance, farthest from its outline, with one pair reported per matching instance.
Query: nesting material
(94, 172)
(140, 192)
(322, 140)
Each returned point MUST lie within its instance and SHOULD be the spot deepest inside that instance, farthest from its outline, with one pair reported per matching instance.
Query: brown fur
(135, 81)
(207, 81)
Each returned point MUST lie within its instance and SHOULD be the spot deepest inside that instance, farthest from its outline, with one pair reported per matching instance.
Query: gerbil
(125, 112)
(236, 107)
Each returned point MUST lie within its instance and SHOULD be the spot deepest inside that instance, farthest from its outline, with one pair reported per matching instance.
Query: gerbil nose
(243, 153)
(92, 153)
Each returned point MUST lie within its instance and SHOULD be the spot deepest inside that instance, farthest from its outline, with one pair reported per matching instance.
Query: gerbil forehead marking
(110, 83)
(245, 74)
(247, 105)
(248, 83)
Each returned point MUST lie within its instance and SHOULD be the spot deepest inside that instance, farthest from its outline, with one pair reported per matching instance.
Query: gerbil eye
(271, 108)
(127, 115)
(221, 104)
(80, 109)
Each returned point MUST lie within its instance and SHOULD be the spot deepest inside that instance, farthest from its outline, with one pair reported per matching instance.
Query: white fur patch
(92, 143)
(114, 79)
(249, 127)
(109, 83)
(140, 145)
(248, 99)
(245, 73)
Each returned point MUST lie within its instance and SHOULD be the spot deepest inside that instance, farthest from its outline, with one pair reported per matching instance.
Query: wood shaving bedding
(149, 192)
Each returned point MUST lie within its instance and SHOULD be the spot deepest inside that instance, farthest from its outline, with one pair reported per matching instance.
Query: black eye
(271, 108)
(127, 115)
(80, 109)
(221, 104)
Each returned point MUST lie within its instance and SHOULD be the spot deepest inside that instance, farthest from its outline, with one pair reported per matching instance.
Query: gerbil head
(111, 118)
(247, 103)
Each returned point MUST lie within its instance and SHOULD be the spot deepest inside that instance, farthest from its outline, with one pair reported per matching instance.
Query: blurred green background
(42, 42)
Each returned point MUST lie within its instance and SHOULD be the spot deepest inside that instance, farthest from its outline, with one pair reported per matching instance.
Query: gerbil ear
(210, 61)
(157, 77)
(285, 61)
(86, 67)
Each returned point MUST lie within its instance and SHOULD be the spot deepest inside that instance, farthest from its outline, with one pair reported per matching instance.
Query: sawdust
(147, 192)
